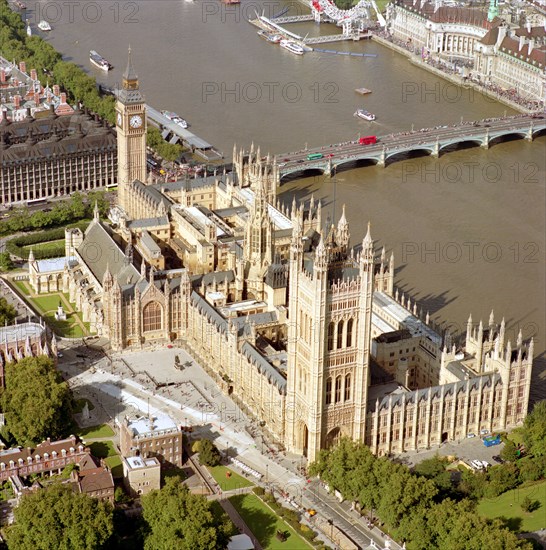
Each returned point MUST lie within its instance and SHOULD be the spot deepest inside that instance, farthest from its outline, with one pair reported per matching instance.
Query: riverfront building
(496, 50)
(305, 332)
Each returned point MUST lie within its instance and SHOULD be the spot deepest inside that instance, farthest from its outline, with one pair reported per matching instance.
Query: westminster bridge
(393, 147)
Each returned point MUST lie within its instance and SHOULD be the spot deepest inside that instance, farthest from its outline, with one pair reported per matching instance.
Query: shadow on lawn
(514, 524)
(263, 525)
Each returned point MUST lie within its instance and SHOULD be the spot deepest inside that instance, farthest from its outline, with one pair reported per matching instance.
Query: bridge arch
(349, 164)
(396, 156)
(459, 144)
(298, 173)
(511, 135)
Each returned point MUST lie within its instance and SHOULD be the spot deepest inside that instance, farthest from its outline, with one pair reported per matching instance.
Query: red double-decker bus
(367, 140)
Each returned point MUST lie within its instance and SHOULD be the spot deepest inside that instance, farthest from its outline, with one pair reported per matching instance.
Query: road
(403, 141)
(192, 397)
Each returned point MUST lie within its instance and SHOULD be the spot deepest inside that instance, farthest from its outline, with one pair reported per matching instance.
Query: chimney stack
(531, 45)
(2, 76)
(37, 99)
(23, 67)
(17, 101)
(63, 98)
(521, 42)
(33, 74)
(56, 90)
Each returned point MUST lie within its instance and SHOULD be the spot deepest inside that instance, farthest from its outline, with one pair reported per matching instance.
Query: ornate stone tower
(329, 327)
(254, 169)
(131, 132)
(258, 244)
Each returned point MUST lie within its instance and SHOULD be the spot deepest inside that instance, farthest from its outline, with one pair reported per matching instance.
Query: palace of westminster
(304, 332)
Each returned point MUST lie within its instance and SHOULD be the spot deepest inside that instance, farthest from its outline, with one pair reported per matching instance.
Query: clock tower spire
(131, 134)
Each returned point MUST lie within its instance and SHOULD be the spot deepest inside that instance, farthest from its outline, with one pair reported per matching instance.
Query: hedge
(16, 245)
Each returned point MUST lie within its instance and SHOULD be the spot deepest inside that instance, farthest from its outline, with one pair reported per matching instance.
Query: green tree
(176, 519)
(209, 455)
(509, 452)
(534, 430)
(57, 517)
(435, 469)
(36, 401)
(6, 263)
(7, 312)
(527, 505)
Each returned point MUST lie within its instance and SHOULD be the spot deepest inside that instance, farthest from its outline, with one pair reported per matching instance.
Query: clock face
(119, 119)
(136, 121)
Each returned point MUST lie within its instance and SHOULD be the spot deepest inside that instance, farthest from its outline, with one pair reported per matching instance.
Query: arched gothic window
(347, 387)
(328, 391)
(330, 336)
(338, 389)
(349, 333)
(340, 335)
(152, 316)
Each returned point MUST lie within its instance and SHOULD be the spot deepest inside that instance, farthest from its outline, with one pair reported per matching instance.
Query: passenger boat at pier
(363, 91)
(99, 61)
(366, 115)
(173, 117)
(19, 5)
(270, 37)
(292, 47)
(231, 1)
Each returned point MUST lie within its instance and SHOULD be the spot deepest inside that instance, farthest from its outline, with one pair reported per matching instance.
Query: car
(498, 459)
(330, 155)
(484, 432)
(312, 512)
(301, 160)
(59, 354)
(485, 464)
(286, 160)
(476, 464)
(470, 435)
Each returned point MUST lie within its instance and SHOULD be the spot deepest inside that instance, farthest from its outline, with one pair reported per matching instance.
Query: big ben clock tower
(131, 134)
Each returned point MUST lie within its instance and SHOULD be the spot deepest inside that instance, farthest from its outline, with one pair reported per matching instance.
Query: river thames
(467, 230)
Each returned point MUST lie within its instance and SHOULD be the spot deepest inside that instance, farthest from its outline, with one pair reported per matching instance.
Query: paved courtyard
(466, 450)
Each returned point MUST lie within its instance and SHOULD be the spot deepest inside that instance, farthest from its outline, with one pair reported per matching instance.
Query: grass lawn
(507, 507)
(114, 463)
(103, 449)
(22, 286)
(47, 246)
(80, 404)
(102, 430)
(235, 481)
(264, 523)
(48, 302)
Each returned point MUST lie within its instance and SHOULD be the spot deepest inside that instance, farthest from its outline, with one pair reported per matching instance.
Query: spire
(368, 238)
(492, 319)
(31, 256)
(96, 215)
(493, 10)
(130, 73)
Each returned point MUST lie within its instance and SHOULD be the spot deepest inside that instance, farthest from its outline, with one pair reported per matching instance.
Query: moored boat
(99, 61)
(292, 47)
(173, 117)
(44, 25)
(366, 115)
(363, 91)
(274, 38)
